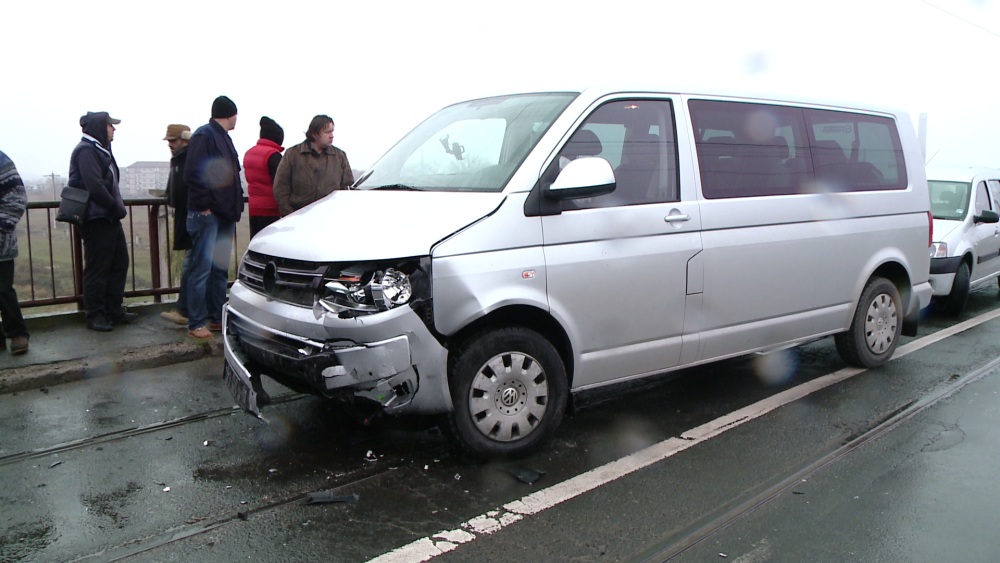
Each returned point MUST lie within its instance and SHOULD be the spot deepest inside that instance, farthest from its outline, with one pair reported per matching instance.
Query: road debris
(243, 514)
(526, 475)
(166, 489)
(55, 464)
(206, 443)
(370, 456)
(327, 497)
(457, 476)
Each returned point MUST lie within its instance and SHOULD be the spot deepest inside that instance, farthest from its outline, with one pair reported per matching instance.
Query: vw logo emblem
(270, 277)
(509, 397)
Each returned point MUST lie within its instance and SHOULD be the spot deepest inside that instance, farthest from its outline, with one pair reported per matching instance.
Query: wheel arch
(899, 276)
(526, 316)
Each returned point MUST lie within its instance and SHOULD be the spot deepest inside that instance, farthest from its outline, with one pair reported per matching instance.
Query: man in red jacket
(260, 164)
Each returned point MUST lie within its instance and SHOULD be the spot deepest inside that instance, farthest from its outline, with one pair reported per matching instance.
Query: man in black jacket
(177, 193)
(92, 167)
(215, 203)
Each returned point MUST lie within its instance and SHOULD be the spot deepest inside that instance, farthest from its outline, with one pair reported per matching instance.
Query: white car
(965, 202)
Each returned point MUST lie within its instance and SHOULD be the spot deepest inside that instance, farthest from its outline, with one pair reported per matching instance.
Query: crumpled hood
(943, 228)
(356, 225)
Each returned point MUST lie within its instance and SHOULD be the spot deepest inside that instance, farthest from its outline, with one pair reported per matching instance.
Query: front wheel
(509, 390)
(876, 326)
(955, 302)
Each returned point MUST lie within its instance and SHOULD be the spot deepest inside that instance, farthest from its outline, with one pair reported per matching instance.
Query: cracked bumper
(391, 357)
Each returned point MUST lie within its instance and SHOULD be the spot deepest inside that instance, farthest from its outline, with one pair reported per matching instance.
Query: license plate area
(241, 390)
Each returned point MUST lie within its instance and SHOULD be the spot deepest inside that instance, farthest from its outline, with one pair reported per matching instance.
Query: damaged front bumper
(389, 358)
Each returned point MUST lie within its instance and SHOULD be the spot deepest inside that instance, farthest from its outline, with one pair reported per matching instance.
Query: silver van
(965, 202)
(511, 251)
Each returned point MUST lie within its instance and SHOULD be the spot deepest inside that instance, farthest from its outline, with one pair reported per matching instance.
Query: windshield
(949, 200)
(473, 146)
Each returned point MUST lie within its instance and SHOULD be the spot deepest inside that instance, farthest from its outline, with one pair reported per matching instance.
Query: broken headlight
(359, 290)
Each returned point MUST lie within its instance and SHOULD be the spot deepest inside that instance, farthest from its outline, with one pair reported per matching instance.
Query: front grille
(296, 281)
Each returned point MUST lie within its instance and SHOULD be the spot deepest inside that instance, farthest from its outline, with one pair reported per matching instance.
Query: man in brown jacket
(312, 169)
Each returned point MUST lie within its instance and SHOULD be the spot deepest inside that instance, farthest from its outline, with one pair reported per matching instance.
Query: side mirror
(583, 177)
(987, 216)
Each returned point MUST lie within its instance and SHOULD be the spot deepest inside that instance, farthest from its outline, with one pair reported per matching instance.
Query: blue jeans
(212, 239)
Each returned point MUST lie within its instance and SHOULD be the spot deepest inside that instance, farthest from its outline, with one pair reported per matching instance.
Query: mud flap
(911, 323)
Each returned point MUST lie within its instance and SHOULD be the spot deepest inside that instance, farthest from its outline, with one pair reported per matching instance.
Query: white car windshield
(949, 200)
(472, 146)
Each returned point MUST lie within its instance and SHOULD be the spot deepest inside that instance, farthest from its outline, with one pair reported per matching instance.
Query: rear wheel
(955, 302)
(876, 326)
(509, 390)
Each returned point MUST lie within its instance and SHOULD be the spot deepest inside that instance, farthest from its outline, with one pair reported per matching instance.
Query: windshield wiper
(400, 187)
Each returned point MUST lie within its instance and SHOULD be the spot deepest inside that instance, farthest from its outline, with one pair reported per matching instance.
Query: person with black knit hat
(215, 204)
(260, 164)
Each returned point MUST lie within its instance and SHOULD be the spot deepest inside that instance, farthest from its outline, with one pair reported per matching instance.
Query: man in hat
(311, 169)
(12, 203)
(215, 203)
(177, 139)
(92, 167)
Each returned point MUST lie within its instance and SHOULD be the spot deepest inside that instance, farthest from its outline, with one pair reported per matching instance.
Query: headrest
(583, 143)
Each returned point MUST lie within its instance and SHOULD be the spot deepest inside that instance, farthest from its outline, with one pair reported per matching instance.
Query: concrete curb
(148, 357)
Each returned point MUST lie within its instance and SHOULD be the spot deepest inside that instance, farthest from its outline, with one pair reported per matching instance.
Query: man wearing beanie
(312, 169)
(260, 164)
(215, 203)
(177, 139)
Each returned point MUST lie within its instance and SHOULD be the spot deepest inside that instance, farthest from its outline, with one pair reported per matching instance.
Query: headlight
(366, 292)
(939, 250)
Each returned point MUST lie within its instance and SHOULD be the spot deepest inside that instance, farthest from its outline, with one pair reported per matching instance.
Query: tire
(876, 326)
(954, 304)
(509, 390)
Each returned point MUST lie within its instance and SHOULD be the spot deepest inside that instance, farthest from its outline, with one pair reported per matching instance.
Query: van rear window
(747, 149)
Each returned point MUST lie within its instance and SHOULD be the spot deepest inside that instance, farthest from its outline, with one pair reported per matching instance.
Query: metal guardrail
(158, 267)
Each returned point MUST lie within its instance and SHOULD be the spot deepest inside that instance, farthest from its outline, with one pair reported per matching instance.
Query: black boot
(99, 323)
(124, 317)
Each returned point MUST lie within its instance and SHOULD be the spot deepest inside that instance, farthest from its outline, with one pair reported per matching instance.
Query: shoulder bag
(73, 207)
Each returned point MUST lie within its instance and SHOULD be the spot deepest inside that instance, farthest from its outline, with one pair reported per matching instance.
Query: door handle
(677, 218)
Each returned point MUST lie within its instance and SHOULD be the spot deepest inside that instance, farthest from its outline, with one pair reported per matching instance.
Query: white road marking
(493, 521)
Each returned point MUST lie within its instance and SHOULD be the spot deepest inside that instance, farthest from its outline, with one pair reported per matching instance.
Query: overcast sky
(379, 68)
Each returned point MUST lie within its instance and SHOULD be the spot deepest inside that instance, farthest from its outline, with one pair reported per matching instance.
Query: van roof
(764, 96)
(594, 92)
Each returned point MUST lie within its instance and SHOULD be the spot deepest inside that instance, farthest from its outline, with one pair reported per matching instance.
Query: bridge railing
(48, 273)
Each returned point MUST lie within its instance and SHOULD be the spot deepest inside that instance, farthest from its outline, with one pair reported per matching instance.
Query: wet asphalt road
(85, 468)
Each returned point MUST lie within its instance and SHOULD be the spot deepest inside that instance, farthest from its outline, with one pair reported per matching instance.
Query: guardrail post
(154, 247)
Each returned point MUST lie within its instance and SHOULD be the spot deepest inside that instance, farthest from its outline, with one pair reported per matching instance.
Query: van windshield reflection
(471, 146)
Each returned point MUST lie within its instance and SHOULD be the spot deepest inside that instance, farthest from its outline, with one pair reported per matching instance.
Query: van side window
(746, 149)
(871, 156)
(638, 139)
(982, 198)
